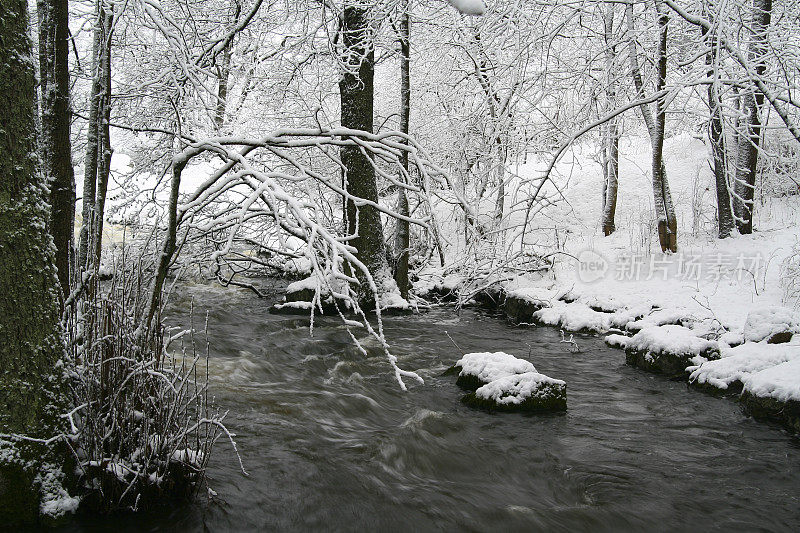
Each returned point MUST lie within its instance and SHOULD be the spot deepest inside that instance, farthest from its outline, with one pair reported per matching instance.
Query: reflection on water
(332, 443)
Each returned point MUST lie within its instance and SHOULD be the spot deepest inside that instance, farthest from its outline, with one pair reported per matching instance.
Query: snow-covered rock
(771, 323)
(780, 382)
(667, 349)
(501, 381)
(574, 316)
(529, 391)
(774, 394)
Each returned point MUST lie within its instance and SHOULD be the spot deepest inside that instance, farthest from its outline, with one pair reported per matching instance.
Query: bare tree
(716, 134)
(664, 209)
(611, 128)
(97, 163)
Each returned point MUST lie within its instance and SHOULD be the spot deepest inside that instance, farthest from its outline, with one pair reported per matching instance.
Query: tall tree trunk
(665, 211)
(611, 137)
(92, 142)
(55, 141)
(356, 90)
(752, 104)
(716, 135)
(104, 133)
(30, 396)
(402, 237)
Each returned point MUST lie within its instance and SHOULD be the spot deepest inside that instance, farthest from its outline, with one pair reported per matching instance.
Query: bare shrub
(143, 427)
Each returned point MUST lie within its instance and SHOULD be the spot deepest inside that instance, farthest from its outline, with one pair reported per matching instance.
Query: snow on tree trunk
(32, 346)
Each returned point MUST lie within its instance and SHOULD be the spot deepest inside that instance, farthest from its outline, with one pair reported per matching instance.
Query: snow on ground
(668, 339)
(780, 382)
(741, 362)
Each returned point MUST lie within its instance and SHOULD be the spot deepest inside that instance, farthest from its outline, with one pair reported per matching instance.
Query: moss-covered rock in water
(529, 392)
(670, 364)
(667, 349)
(786, 413)
(501, 382)
(520, 310)
(469, 382)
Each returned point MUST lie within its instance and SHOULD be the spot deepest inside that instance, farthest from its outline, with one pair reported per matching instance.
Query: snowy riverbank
(721, 313)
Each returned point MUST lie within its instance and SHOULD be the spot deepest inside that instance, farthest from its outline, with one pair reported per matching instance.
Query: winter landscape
(372, 265)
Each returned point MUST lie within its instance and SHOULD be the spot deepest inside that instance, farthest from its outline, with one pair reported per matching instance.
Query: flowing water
(332, 443)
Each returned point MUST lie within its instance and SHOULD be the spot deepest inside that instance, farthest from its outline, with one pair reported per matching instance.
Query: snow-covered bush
(143, 426)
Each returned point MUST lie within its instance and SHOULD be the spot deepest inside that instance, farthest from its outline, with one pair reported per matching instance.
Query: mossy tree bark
(356, 90)
(32, 345)
(55, 140)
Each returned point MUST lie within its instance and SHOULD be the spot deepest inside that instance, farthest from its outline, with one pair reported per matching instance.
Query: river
(332, 443)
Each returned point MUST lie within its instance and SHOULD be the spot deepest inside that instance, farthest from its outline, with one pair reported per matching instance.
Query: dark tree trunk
(717, 138)
(750, 138)
(402, 238)
(29, 302)
(55, 140)
(611, 137)
(356, 91)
